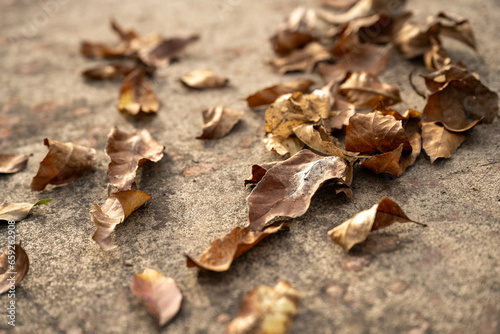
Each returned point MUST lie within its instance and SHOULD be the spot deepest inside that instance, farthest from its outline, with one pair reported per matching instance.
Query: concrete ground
(441, 279)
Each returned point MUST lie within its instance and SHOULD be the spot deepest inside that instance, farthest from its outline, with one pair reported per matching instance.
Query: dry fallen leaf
(319, 140)
(339, 120)
(63, 163)
(365, 90)
(287, 188)
(339, 4)
(270, 94)
(161, 295)
(301, 60)
(297, 31)
(136, 94)
(117, 207)
(111, 71)
(357, 229)
(219, 121)
(14, 265)
(222, 252)
(363, 8)
(18, 211)
(12, 163)
(203, 79)
(438, 142)
(164, 51)
(258, 172)
(408, 114)
(266, 310)
(128, 151)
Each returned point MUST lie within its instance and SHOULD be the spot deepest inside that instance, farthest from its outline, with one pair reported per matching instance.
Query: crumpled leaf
(18, 211)
(460, 100)
(436, 56)
(16, 270)
(270, 94)
(223, 251)
(319, 140)
(297, 31)
(136, 94)
(363, 8)
(266, 310)
(408, 114)
(161, 294)
(301, 60)
(287, 188)
(165, 50)
(219, 121)
(357, 229)
(63, 163)
(128, 151)
(438, 142)
(282, 146)
(111, 71)
(203, 79)
(12, 163)
(365, 90)
(117, 207)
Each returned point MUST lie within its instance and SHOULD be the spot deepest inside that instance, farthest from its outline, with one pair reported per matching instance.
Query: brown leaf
(301, 60)
(363, 8)
(339, 120)
(456, 28)
(14, 263)
(117, 207)
(18, 211)
(436, 57)
(161, 294)
(319, 140)
(339, 4)
(270, 94)
(128, 151)
(164, 51)
(439, 142)
(203, 79)
(297, 31)
(63, 163)
(375, 133)
(357, 229)
(111, 71)
(12, 163)
(410, 113)
(286, 189)
(219, 121)
(365, 90)
(258, 172)
(282, 146)
(101, 50)
(136, 94)
(266, 310)
(223, 251)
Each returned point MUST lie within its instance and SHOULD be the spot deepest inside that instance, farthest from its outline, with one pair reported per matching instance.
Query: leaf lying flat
(357, 229)
(117, 207)
(439, 142)
(266, 310)
(270, 94)
(18, 211)
(297, 31)
(160, 294)
(287, 188)
(112, 71)
(136, 94)
(365, 90)
(128, 151)
(301, 60)
(219, 121)
(12, 163)
(63, 163)
(203, 79)
(223, 251)
(8, 269)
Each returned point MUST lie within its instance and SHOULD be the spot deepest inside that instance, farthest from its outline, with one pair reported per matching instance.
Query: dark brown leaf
(12, 163)
(301, 60)
(365, 90)
(14, 263)
(270, 94)
(219, 121)
(439, 142)
(112, 71)
(203, 79)
(160, 294)
(297, 31)
(258, 172)
(163, 52)
(136, 94)
(223, 251)
(63, 163)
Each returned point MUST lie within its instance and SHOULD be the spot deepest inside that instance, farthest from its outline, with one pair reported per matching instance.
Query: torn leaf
(297, 31)
(12, 163)
(18, 211)
(203, 79)
(136, 94)
(219, 121)
(365, 90)
(438, 142)
(270, 94)
(10, 269)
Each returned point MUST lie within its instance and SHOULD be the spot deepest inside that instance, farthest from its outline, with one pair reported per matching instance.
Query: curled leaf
(438, 142)
(339, 120)
(112, 71)
(365, 90)
(161, 294)
(363, 8)
(203, 79)
(357, 229)
(12, 163)
(297, 31)
(117, 207)
(287, 188)
(408, 114)
(14, 265)
(282, 146)
(63, 163)
(266, 310)
(301, 60)
(223, 251)
(339, 4)
(219, 121)
(18, 211)
(128, 151)
(270, 94)
(136, 94)
(319, 140)
(165, 50)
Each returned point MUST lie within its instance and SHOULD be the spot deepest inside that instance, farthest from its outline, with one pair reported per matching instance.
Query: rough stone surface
(450, 270)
